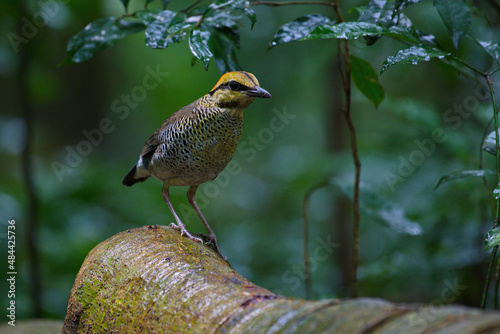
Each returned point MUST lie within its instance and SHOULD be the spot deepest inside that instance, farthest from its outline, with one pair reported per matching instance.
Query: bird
(197, 142)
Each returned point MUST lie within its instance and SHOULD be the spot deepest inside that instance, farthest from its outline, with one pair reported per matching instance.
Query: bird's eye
(233, 85)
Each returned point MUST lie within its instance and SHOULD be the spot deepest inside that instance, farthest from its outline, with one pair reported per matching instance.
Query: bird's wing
(159, 136)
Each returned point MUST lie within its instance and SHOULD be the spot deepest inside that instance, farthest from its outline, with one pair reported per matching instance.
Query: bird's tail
(133, 177)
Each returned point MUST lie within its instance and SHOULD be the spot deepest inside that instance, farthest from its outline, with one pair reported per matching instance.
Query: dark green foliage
(353, 30)
(99, 35)
(366, 80)
(299, 28)
(456, 17)
(212, 31)
(489, 144)
(164, 28)
(492, 239)
(198, 42)
(380, 209)
(125, 4)
(413, 55)
(463, 174)
(493, 49)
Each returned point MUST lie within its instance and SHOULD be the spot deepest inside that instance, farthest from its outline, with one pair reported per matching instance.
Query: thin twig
(497, 215)
(305, 223)
(497, 284)
(493, 3)
(485, 182)
(27, 171)
(191, 6)
(343, 48)
(289, 3)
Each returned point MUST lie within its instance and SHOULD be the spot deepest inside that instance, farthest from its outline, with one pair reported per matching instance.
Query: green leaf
(379, 208)
(490, 143)
(401, 4)
(380, 12)
(227, 13)
(198, 43)
(492, 49)
(387, 14)
(249, 12)
(492, 238)
(147, 16)
(413, 55)
(298, 29)
(456, 17)
(496, 192)
(226, 22)
(353, 30)
(223, 48)
(366, 80)
(463, 174)
(426, 38)
(125, 4)
(165, 3)
(99, 35)
(220, 19)
(166, 27)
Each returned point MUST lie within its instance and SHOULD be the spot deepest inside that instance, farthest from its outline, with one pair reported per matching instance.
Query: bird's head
(237, 90)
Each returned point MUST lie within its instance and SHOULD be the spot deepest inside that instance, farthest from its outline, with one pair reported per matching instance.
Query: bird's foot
(212, 240)
(185, 232)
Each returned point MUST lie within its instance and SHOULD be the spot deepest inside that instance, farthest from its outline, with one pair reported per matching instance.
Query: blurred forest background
(417, 244)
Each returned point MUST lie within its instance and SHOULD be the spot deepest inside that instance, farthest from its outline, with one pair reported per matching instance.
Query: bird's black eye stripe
(236, 86)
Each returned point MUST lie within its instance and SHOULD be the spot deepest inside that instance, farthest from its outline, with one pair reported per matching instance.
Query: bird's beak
(258, 92)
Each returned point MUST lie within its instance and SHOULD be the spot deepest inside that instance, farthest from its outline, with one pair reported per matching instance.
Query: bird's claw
(204, 240)
(186, 233)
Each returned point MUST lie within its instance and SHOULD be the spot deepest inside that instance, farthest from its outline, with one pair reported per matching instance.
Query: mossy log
(151, 280)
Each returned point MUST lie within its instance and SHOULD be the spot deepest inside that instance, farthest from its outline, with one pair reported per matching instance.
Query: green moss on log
(152, 280)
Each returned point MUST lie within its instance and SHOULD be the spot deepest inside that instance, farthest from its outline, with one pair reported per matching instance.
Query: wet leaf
(427, 38)
(147, 16)
(413, 55)
(165, 3)
(463, 174)
(223, 48)
(251, 16)
(379, 208)
(198, 43)
(99, 35)
(496, 192)
(492, 49)
(159, 32)
(380, 12)
(298, 29)
(401, 4)
(221, 19)
(492, 238)
(387, 14)
(456, 16)
(366, 80)
(489, 144)
(353, 30)
(125, 4)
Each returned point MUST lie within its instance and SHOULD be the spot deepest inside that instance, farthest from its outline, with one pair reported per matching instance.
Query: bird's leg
(190, 195)
(180, 226)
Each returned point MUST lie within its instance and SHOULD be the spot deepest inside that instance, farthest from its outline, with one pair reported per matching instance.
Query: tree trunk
(152, 280)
